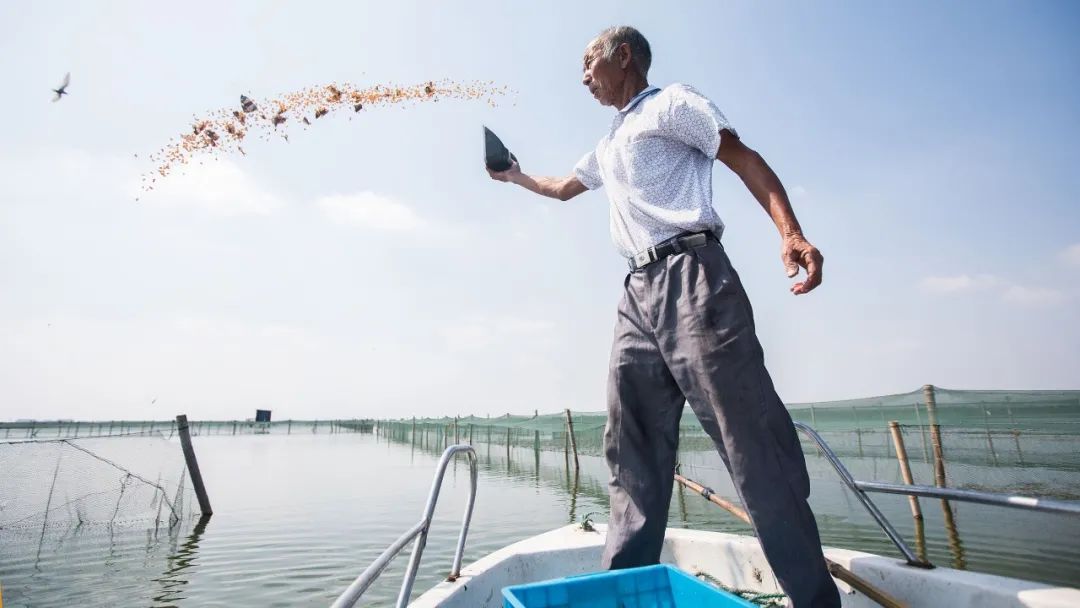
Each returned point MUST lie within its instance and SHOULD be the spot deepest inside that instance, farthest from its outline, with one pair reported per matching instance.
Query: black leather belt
(676, 244)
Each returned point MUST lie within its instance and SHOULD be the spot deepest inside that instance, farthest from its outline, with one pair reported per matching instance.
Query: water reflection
(299, 516)
(181, 559)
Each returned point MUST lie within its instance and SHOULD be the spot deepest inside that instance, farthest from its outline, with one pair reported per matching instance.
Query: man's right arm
(562, 188)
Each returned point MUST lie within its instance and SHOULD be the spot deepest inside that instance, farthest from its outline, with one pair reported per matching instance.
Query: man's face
(603, 77)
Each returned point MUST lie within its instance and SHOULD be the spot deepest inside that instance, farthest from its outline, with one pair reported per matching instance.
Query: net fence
(1021, 442)
(55, 485)
(81, 429)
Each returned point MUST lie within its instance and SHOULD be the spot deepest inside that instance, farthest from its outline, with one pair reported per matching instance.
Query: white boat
(735, 562)
(731, 561)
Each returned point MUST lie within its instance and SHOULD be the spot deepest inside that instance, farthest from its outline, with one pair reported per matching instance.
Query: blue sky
(370, 268)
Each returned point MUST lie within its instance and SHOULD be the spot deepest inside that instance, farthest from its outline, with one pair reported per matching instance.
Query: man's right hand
(562, 188)
(510, 175)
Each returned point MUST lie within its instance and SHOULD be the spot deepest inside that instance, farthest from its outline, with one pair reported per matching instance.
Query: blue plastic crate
(660, 586)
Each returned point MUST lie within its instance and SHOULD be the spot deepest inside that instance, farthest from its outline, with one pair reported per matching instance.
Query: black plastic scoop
(497, 156)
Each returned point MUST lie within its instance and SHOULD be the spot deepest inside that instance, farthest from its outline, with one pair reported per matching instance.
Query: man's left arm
(763, 183)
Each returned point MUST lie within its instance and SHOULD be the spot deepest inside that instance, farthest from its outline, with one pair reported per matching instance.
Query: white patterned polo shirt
(656, 162)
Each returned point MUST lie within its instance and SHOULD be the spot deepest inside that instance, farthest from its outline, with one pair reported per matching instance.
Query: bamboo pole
(573, 499)
(536, 452)
(835, 569)
(573, 440)
(193, 465)
(682, 504)
(935, 436)
(858, 430)
(989, 439)
(922, 431)
(939, 478)
(1016, 437)
(955, 546)
(905, 466)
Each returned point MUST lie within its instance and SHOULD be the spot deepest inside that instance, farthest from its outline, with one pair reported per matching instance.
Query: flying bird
(60, 92)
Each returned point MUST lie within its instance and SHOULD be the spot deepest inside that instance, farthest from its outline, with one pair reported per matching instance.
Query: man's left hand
(796, 251)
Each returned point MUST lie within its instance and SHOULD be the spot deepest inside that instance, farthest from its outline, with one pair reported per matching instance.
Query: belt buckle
(642, 258)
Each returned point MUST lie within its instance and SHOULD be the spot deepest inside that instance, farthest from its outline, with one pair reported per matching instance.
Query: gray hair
(609, 40)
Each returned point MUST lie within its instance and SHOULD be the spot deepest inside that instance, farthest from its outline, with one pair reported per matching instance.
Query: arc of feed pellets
(222, 131)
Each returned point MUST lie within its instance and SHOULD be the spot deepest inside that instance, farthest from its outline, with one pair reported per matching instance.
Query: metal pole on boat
(193, 465)
(573, 440)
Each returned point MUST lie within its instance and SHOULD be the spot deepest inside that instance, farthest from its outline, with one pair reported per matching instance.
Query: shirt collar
(637, 98)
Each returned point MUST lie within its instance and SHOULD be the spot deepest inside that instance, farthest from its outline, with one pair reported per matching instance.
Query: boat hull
(736, 562)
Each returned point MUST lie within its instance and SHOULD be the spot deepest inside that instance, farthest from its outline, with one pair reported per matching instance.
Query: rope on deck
(767, 600)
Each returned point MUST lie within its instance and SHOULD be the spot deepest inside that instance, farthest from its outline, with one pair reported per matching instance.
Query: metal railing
(419, 532)
(860, 488)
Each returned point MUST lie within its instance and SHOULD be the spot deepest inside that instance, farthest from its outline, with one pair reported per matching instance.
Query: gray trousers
(685, 333)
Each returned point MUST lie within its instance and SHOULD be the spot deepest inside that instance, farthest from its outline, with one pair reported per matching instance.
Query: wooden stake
(573, 440)
(193, 465)
(935, 436)
(989, 439)
(905, 466)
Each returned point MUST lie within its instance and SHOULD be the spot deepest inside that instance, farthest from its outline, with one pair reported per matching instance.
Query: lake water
(297, 517)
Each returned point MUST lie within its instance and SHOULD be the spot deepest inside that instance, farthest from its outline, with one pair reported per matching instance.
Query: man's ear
(625, 56)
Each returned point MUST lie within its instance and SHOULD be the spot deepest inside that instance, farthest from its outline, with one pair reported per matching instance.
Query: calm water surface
(298, 517)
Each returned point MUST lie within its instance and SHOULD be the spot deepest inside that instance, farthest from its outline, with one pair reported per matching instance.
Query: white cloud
(220, 187)
(1032, 296)
(371, 210)
(1010, 292)
(481, 332)
(1071, 255)
(798, 192)
(959, 283)
(63, 173)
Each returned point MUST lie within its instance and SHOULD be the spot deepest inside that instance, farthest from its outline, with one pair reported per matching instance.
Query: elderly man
(684, 330)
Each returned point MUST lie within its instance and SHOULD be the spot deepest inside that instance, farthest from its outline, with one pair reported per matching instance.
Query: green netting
(82, 429)
(1009, 441)
(58, 485)
(957, 411)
